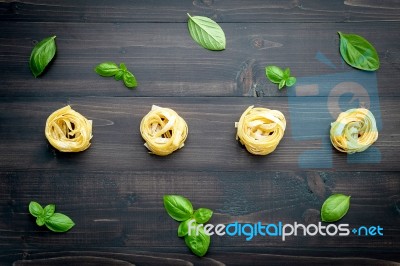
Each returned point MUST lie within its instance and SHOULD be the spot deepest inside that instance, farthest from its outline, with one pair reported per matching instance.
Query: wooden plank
(114, 190)
(129, 257)
(221, 11)
(167, 62)
(211, 145)
(115, 210)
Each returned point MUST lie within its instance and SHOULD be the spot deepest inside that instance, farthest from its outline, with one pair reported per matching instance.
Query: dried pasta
(354, 131)
(260, 129)
(68, 131)
(163, 130)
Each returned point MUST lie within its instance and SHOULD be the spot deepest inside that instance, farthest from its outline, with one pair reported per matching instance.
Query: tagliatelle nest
(260, 130)
(163, 130)
(354, 131)
(68, 131)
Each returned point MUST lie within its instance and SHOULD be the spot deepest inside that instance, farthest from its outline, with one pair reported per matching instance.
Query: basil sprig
(41, 55)
(110, 69)
(207, 33)
(56, 222)
(335, 207)
(181, 210)
(277, 75)
(358, 52)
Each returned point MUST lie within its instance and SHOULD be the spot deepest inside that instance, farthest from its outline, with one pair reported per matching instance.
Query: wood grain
(156, 258)
(113, 191)
(220, 10)
(122, 209)
(167, 62)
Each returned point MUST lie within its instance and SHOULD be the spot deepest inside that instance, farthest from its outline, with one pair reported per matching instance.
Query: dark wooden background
(113, 191)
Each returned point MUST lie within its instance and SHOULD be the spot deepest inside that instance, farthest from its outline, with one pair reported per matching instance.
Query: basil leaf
(335, 207)
(35, 209)
(202, 215)
(282, 83)
(207, 33)
(178, 207)
(199, 243)
(274, 74)
(129, 80)
(107, 69)
(184, 227)
(123, 67)
(59, 222)
(358, 52)
(49, 211)
(40, 221)
(286, 73)
(119, 75)
(41, 55)
(291, 81)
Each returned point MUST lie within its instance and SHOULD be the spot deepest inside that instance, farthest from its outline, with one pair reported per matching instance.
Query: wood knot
(245, 79)
(131, 199)
(258, 43)
(311, 216)
(203, 3)
(208, 2)
(316, 185)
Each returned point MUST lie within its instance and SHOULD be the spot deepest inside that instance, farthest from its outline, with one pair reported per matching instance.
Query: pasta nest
(260, 129)
(163, 130)
(68, 131)
(354, 131)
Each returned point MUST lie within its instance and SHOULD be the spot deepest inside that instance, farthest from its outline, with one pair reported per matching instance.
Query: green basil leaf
(59, 222)
(40, 221)
(198, 243)
(202, 215)
(282, 83)
(49, 211)
(207, 33)
(178, 207)
(41, 55)
(123, 67)
(184, 227)
(35, 209)
(291, 81)
(358, 52)
(119, 75)
(286, 73)
(274, 74)
(107, 69)
(129, 80)
(335, 207)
